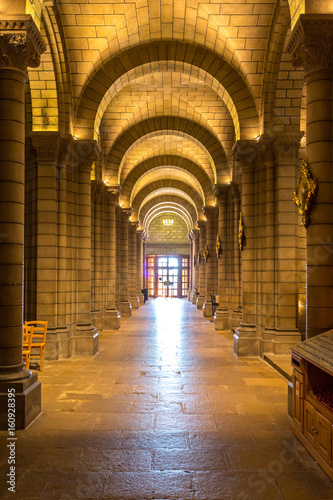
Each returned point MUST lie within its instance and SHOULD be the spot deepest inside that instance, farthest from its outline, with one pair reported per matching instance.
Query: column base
(279, 341)
(194, 296)
(189, 296)
(141, 298)
(134, 302)
(97, 319)
(207, 309)
(85, 339)
(125, 309)
(200, 301)
(57, 343)
(221, 319)
(111, 319)
(27, 401)
(236, 317)
(246, 341)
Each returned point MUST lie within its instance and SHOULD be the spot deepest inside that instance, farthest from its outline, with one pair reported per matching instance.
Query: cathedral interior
(166, 191)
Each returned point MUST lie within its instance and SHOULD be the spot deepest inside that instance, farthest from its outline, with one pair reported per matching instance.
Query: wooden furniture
(38, 340)
(27, 339)
(312, 362)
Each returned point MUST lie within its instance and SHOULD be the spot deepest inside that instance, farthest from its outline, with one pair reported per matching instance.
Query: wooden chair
(38, 340)
(27, 340)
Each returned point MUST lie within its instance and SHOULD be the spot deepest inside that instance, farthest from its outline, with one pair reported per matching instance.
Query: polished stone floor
(164, 411)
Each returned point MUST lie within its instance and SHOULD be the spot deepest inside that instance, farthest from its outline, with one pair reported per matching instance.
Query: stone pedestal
(246, 341)
(134, 302)
(58, 343)
(111, 319)
(207, 309)
(85, 340)
(125, 308)
(221, 319)
(279, 341)
(200, 301)
(27, 401)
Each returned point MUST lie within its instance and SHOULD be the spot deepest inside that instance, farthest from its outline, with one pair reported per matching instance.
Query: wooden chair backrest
(39, 330)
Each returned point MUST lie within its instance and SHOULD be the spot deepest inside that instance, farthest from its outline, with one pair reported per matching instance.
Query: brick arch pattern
(196, 55)
(175, 123)
(174, 68)
(166, 160)
(169, 184)
(166, 207)
(171, 199)
(165, 172)
(171, 142)
(169, 210)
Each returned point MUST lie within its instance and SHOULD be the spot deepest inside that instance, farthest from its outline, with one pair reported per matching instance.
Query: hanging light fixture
(168, 222)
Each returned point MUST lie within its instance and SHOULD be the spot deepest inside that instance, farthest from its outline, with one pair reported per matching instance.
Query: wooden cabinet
(312, 363)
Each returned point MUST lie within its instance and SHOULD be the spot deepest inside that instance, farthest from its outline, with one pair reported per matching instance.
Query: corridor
(165, 410)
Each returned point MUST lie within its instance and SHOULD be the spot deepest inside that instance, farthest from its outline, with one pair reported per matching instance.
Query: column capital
(209, 212)
(83, 153)
(221, 192)
(127, 211)
(113, 194)
(46, 145)
(311, 42)
(247, 153)
(287, 144)
(21, 43)
(202, 224)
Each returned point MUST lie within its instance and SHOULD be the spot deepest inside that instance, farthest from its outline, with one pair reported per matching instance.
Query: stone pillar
(85, 338)
(246, 337)
(283, 244)
(20, 46)
(221, 317)
(195, 249)
(190, 277)
(125, 305)
(311, 46)
(111, 318)
(210, 213)
(139, 261)
(97, 256)
(202, 265)
(144, 259)
(51, 246)
(236, 313)
(132, 265)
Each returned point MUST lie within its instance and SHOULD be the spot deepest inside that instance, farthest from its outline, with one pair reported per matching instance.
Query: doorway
(168, 275)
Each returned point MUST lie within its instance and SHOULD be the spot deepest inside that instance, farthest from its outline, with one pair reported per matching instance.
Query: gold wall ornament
(218, 246)
(305, 192)
(240, 231)
(205, 253)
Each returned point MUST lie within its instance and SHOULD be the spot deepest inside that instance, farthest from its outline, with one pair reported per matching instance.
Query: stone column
(236, 313)
(246, 337)
(20, 46)
(202, 265)
(125, 305)
(97, 257)
(190, 277)
(111, 318)
(144, 259)
(85, 338)
(311, 46)
(51, 247)
(210, 213)
(139, 285)
(284, 333)
(195, 248)
(132, 265)
(221, 317)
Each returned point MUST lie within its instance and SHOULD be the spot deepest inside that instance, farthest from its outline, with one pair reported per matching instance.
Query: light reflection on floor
(168, 333)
